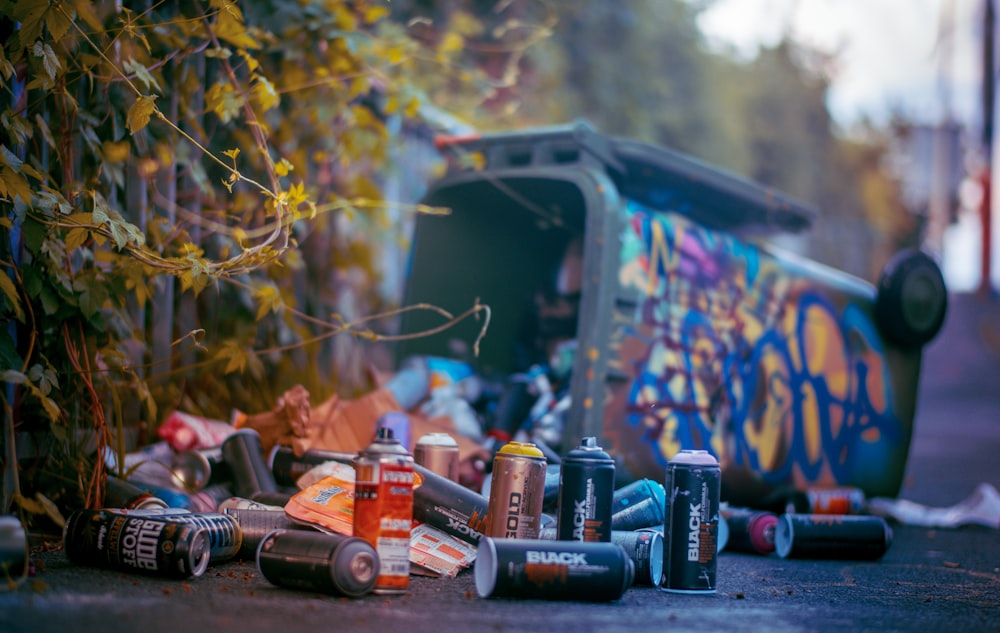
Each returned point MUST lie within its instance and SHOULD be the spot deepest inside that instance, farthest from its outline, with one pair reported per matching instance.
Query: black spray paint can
(830, 536)
(286, 467)
(244, 455)
(448, 506)
(691, 524)
(147, 544)
(644, 547)
(119, 493)
(318, 561)
(750, 531)
(586, 488)
(552, 570)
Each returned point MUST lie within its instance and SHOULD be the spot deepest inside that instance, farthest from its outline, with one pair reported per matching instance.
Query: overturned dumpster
(690, 331)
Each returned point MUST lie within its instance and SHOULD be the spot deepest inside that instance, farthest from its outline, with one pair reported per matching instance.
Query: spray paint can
(638, 505)
(318, 561)
(448, 506)
(552, 570)
(438, 452)
(122, 494)
(244, 455)
(690, 552)
(750, 531)
(828, 536)
(517, 492)
(835, 500)
(147, 544)
(645, 549)
(586, 488)
(256, 524)
(399, 422)
(383, 507)
(14, 558)
(286, 467)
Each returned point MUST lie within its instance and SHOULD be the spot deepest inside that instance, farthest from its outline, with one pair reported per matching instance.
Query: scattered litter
(982, 507)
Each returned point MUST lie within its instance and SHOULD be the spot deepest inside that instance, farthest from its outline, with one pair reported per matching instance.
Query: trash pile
(434, 473)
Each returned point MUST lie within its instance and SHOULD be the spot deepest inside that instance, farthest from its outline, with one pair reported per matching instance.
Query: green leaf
(9, 358)
(93, 293)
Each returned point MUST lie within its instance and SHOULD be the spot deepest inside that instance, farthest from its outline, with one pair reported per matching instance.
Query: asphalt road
(929, 580)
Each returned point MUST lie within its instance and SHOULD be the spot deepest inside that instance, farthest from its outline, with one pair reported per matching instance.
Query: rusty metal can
(438, 452)
(829, 536)
(586, 489)
(383, 508)
(836, 500)
(517, 492)
(691, 526)
(552, 570)
(318, 561)
(147, 544)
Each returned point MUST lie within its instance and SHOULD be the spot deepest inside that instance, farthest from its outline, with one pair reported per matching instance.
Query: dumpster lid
(656, 177)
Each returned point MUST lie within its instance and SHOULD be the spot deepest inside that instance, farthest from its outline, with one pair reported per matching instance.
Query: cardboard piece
(340, 424)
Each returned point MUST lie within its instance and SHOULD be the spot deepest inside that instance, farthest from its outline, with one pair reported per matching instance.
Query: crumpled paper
(982, 507)
(340, 424)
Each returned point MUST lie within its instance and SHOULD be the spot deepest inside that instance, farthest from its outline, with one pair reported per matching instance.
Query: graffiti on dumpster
(732, 353)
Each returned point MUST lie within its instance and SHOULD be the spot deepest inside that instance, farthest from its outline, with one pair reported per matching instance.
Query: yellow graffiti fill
(659, 250)
(825, 351)
(810, 423)
(764, 437)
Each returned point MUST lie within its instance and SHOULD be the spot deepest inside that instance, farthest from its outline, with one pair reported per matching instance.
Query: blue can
(638, 505)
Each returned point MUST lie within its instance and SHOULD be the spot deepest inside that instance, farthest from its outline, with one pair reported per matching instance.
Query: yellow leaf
(451, 43)
(374, 14)
(229, 27)
(116, 152)
(140, 112)
(76, 238)
(14, 184)
(232, 153)
(10, 291)
(57, 23)
(283, 167)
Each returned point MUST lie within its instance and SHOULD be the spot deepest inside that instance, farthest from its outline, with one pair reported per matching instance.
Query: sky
(920, 58)
(892, 54)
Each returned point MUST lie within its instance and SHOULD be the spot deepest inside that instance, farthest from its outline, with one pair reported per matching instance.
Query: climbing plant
(189, 194)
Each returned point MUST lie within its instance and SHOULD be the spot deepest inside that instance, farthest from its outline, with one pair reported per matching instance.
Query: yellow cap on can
(521, 448)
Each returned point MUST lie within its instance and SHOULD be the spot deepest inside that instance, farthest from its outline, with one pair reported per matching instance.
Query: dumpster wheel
(912, 299)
